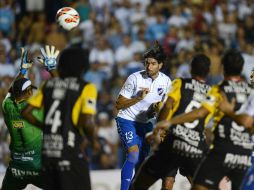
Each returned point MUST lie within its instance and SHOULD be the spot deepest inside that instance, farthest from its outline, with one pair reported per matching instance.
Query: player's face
(252, 78)
(152, 66)
(29, 93)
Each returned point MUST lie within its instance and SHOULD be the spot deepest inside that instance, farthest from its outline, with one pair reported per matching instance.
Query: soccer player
(69, 105)
(243, 117)
(232, 147)
(138, 103)
(25, 164)
(184, 145)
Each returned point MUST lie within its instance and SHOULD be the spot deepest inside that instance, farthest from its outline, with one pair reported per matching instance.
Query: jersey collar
(200, 79)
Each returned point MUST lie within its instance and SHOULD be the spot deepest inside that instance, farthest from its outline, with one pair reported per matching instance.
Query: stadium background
(117, 32)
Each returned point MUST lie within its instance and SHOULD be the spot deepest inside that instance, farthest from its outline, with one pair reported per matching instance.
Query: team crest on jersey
(18, 124)
(160, 91)
(91, 103)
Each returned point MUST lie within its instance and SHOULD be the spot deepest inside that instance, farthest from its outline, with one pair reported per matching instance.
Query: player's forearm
(123, 103)
(241, 119)
(53, 73)
(164, 114)
(190, 116)
(87, 124)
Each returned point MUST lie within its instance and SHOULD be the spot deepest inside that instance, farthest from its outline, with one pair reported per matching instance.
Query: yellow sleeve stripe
(37, 99)
(208, 106)
(175, 91)
(86, 103)
(211, 104)
(175, 94)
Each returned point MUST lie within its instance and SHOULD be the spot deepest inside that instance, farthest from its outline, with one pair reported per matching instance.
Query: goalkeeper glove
(49, 57)
(25, 62)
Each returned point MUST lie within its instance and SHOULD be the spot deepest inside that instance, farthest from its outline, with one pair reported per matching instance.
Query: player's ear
(144, 61)
(160, 65)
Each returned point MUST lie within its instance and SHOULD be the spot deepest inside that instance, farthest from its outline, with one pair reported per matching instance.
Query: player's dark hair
(73, 61)
(155, 52)
(232, 61)
(200, 65)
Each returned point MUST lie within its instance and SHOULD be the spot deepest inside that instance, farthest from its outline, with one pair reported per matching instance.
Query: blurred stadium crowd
(117, 32)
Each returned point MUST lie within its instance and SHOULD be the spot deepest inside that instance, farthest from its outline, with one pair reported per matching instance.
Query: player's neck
(153, 77)
(19, 99)
(200, 79)
(235, 78)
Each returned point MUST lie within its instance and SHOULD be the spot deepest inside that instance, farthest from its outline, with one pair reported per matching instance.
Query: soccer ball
(68, 18)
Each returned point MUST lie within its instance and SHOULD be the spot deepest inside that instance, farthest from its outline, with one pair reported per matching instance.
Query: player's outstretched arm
(227, 108)
(183, 118)
(166, 109)
(190, 116)
(122, 102)
(25, 65)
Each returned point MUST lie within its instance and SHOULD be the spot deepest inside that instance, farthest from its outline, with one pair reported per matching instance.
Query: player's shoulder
(138, 74)
(89, 85)
(7, 102)
(89, 89)
(177, 81)
(161, 74)
(164, 77)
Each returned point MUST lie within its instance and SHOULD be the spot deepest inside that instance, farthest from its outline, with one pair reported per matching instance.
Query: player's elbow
(118, 106)
(247, 122)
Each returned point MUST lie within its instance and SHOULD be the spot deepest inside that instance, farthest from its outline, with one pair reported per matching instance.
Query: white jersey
(248, 106)
(158, 89)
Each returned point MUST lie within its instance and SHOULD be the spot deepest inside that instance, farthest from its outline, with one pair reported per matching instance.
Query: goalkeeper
(26, 139)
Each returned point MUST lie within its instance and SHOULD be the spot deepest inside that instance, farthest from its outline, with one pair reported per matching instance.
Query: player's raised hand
(154, 109)
(25, 63)
(49, 59)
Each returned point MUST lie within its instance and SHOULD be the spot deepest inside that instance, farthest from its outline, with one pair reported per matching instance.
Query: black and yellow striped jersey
(188, 95)
(64, 100)
(229, 136)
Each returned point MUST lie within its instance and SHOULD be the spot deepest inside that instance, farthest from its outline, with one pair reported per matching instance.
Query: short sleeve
(129, 87)
(175, 90)
(88, 99)
(212, 100)
(248, 106)
(37, 99)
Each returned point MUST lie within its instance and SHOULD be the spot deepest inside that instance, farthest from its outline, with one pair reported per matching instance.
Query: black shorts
(66, 175)
(182, 171)
(212, 170)
(11, 181)
(165, 162)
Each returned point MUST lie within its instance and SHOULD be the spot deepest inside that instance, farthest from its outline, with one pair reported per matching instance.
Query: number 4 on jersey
(53, 117)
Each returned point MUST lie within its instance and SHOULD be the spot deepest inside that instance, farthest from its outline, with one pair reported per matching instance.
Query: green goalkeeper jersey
(26, 139)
